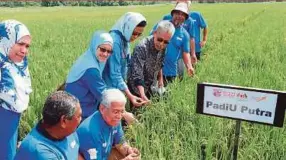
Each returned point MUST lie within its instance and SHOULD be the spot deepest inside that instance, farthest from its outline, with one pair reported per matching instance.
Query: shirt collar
(43, 132)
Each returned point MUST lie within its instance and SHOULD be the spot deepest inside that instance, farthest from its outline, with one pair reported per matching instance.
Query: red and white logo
(228, 94)
(217, 92)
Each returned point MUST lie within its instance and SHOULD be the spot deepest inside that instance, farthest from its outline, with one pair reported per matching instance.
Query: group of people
(84, 120)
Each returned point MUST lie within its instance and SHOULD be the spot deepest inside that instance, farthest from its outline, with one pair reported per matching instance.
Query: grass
(246, 46)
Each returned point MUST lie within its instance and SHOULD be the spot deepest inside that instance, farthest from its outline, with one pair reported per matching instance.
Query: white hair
(165, 26)
(112, 95)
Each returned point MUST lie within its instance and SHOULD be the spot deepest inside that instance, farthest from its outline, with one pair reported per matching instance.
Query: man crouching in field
(102, 130)
(147, 61)
(54, 136)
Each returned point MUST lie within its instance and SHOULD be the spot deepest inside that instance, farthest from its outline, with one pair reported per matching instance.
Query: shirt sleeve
(94, 82)
(8, 93)
(203, 22)
(137, 65)
(191, 28)
(115, 67)
(167, 17)
(119, 136)
(186, 42)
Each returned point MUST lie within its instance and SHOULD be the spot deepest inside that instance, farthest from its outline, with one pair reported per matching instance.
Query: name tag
(92, 153)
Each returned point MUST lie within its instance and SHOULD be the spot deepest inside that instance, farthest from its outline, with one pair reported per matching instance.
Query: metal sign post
(236, 139)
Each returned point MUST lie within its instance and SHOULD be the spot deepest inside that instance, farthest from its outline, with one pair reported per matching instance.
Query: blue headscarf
(127, 23)
(15, 85)
(89, 59)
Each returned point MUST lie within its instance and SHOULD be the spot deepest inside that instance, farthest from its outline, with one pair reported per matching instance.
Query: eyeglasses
(162, 40)
(136, 34)
(105, 50)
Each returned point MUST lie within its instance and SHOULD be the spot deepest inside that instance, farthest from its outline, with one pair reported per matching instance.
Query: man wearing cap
(147, 60)
(179, 45)
(102, 130)
(190, 28)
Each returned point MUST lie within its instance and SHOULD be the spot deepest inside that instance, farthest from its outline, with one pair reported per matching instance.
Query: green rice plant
(246, 46)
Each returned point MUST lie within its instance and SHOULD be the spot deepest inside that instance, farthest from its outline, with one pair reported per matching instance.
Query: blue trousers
(8, 133)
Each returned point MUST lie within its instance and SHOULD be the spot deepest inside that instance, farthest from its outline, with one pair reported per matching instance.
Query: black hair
(142, 24)
(58, 104)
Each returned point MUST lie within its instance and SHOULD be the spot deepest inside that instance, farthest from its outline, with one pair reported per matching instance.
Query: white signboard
(241, 103)
(250, 105)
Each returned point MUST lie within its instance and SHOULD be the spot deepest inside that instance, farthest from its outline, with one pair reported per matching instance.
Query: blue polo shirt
(179, 43)
(97, 137)
(39, 145)
(199, 22)
(88, 89)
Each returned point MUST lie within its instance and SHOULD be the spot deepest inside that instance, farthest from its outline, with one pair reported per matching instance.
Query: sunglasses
(136, 34)
(162, 40)
(105, 50)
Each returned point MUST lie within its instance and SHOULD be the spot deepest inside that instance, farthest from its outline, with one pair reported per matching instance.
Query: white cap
(182, 7)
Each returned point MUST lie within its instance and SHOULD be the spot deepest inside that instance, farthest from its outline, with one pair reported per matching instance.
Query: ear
(101, 108)
(155, 32)
(63, 122)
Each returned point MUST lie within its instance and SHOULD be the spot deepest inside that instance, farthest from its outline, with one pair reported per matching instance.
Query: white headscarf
(127, 23)
(15, 84)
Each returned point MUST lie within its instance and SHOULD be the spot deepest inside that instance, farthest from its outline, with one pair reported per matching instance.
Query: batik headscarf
(15, 84)
(88, 59)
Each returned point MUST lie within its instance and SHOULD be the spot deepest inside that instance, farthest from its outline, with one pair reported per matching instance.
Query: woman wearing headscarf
(127, 29)
(85, 77)
(15, 84)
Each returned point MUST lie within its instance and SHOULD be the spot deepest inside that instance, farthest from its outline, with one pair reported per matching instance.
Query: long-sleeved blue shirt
(88, 89)
(115, 71)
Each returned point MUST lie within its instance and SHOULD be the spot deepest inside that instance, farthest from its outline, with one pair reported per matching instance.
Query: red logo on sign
(227, 94)
(217, 92)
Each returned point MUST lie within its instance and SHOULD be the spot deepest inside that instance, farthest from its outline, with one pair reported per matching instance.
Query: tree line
(90, 3)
